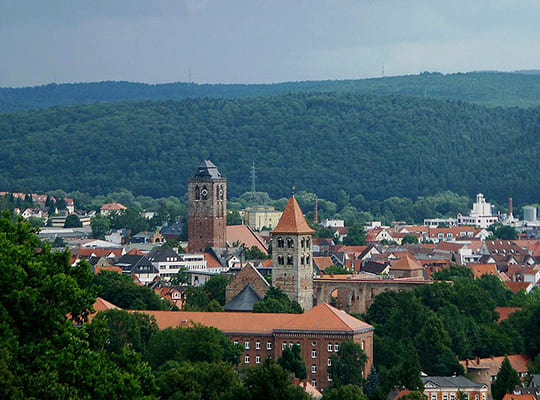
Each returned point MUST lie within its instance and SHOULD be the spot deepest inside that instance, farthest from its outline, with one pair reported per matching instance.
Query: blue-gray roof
(207, 170)
(244, 300)
(450, 381)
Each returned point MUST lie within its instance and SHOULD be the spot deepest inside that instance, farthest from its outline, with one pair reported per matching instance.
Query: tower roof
(292, 220)
(207, 170)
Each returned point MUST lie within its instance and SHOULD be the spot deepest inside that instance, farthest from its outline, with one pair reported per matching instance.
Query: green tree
(276, 301)
(72, 221)
(345, 392)
(269, 381)
(348, 365)
(409, 239)
(234, 218)
(505, 381)
(100, 225)
(180, 278)
(356, 235)
(291, 360)
(335, 270)
(254, 253)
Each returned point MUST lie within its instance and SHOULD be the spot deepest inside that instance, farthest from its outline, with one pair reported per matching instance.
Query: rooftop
(292, 220)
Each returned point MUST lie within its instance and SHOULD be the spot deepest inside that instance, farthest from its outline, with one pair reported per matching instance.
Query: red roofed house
(110, 208)
(319, 332)
(243, 234)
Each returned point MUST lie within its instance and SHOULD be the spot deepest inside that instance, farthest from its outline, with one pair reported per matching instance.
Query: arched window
(290, 243)
(307, 259)
(280, 242)
(308, 243)
(289, 260)
(302, 258)
(197, 193)
(280, 260)
(303, 243)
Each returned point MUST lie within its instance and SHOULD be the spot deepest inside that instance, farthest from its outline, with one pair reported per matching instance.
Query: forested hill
(378, 146)
(487, 88)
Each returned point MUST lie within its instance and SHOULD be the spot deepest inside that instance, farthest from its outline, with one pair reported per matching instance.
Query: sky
(256, 41)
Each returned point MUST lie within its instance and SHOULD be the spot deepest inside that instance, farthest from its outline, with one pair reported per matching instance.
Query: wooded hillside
(378, 146)
(487, 88)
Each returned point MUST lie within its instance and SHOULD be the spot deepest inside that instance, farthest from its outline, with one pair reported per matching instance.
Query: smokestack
(510, 207)
(316, 213)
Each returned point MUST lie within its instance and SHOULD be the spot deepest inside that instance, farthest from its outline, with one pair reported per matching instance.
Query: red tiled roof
(323, 262)
(292, 220)
(211, 261)
(516, 286)
(322, 317)
(243, 234)
(511, 396)
(405, 263)
(483, 269)
(103, 305)
(493, 364)
(113, 206)
(97, 270)
(504, 312)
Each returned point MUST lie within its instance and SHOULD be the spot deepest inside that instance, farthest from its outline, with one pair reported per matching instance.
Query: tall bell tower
(292, 255)
(207, 208)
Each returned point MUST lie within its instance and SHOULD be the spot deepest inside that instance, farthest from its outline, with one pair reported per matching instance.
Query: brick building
(450, 387)
(319, 332)
(207, 208)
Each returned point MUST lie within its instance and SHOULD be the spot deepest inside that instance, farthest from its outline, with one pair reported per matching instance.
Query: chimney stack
(510, 214)
(316, 213)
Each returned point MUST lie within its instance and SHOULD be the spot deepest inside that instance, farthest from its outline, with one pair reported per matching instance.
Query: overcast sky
(250, 41)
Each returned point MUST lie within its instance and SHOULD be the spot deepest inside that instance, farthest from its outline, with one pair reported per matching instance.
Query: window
(236, 342)
(289, 260)
(336, 347)
(313, 368)
(291, 345)
(302, 258)
(363, 344)
(257, 359)
(329, 362)
(476, 397)
(246, 359)
(197, 193)
(330, 347)
(290, 243)
(204, 193)
(329, 378)
(433, 396)
(307, 259)
(314, 344)
(313, 353)
(307, 243)
(246, 345)
(258, 345)
(280, 242)
(483, 396)
(269, 346)
(280, 260)
(445, 396)
(452, 396)
(314, 383)
(283, 345)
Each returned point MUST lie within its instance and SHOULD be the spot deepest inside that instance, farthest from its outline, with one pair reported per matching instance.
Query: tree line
(371, 145)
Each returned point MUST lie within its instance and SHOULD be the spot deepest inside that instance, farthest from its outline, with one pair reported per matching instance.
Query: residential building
(111, 208)
(452, 388)
(261, 217)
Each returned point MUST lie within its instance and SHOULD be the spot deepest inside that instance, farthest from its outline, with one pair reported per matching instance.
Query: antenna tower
(253, 176)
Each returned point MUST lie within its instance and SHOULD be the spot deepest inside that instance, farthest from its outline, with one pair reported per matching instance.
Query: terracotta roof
(211, 261)
(516, 286)
(323, 262)
(493, 364)
(405, 263)
(292, 220)
(113, 206)
(243, 234)
(504, 312)
(322, 317)
(482, 269)
(98, 252)
(103, 305)
(449, 246)
(97, 270)
(511, 396)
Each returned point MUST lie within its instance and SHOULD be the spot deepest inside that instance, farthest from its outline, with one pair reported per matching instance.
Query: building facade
(319, 332)
(292, 255)
(207, 204)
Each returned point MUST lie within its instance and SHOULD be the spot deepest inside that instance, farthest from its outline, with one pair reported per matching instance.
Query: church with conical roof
(292, 255)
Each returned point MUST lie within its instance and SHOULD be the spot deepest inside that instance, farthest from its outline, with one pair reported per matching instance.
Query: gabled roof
(113, 206)
(324, 317)
(207, 170)
(517, 286)
(493, 364)
(483, 269)
(504, 312)
(511, 396)
(450, 382)
(162, 254)
(244, 300)
(244, 234)
(405, 263)
(292, 220)
(323, 262)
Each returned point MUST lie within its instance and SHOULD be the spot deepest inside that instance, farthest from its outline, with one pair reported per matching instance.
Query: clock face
(204, 192)
(221, 192)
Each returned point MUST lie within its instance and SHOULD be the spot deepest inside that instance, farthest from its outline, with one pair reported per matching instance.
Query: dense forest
(373, 145)
(487, 88)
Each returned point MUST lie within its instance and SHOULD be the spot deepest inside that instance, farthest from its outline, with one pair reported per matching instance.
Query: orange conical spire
(292, 220)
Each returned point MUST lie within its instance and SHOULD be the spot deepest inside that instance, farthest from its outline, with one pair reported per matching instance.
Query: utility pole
(253, 176)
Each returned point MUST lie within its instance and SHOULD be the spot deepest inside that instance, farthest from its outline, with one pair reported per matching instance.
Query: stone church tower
(207, 208)
(292, 255)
